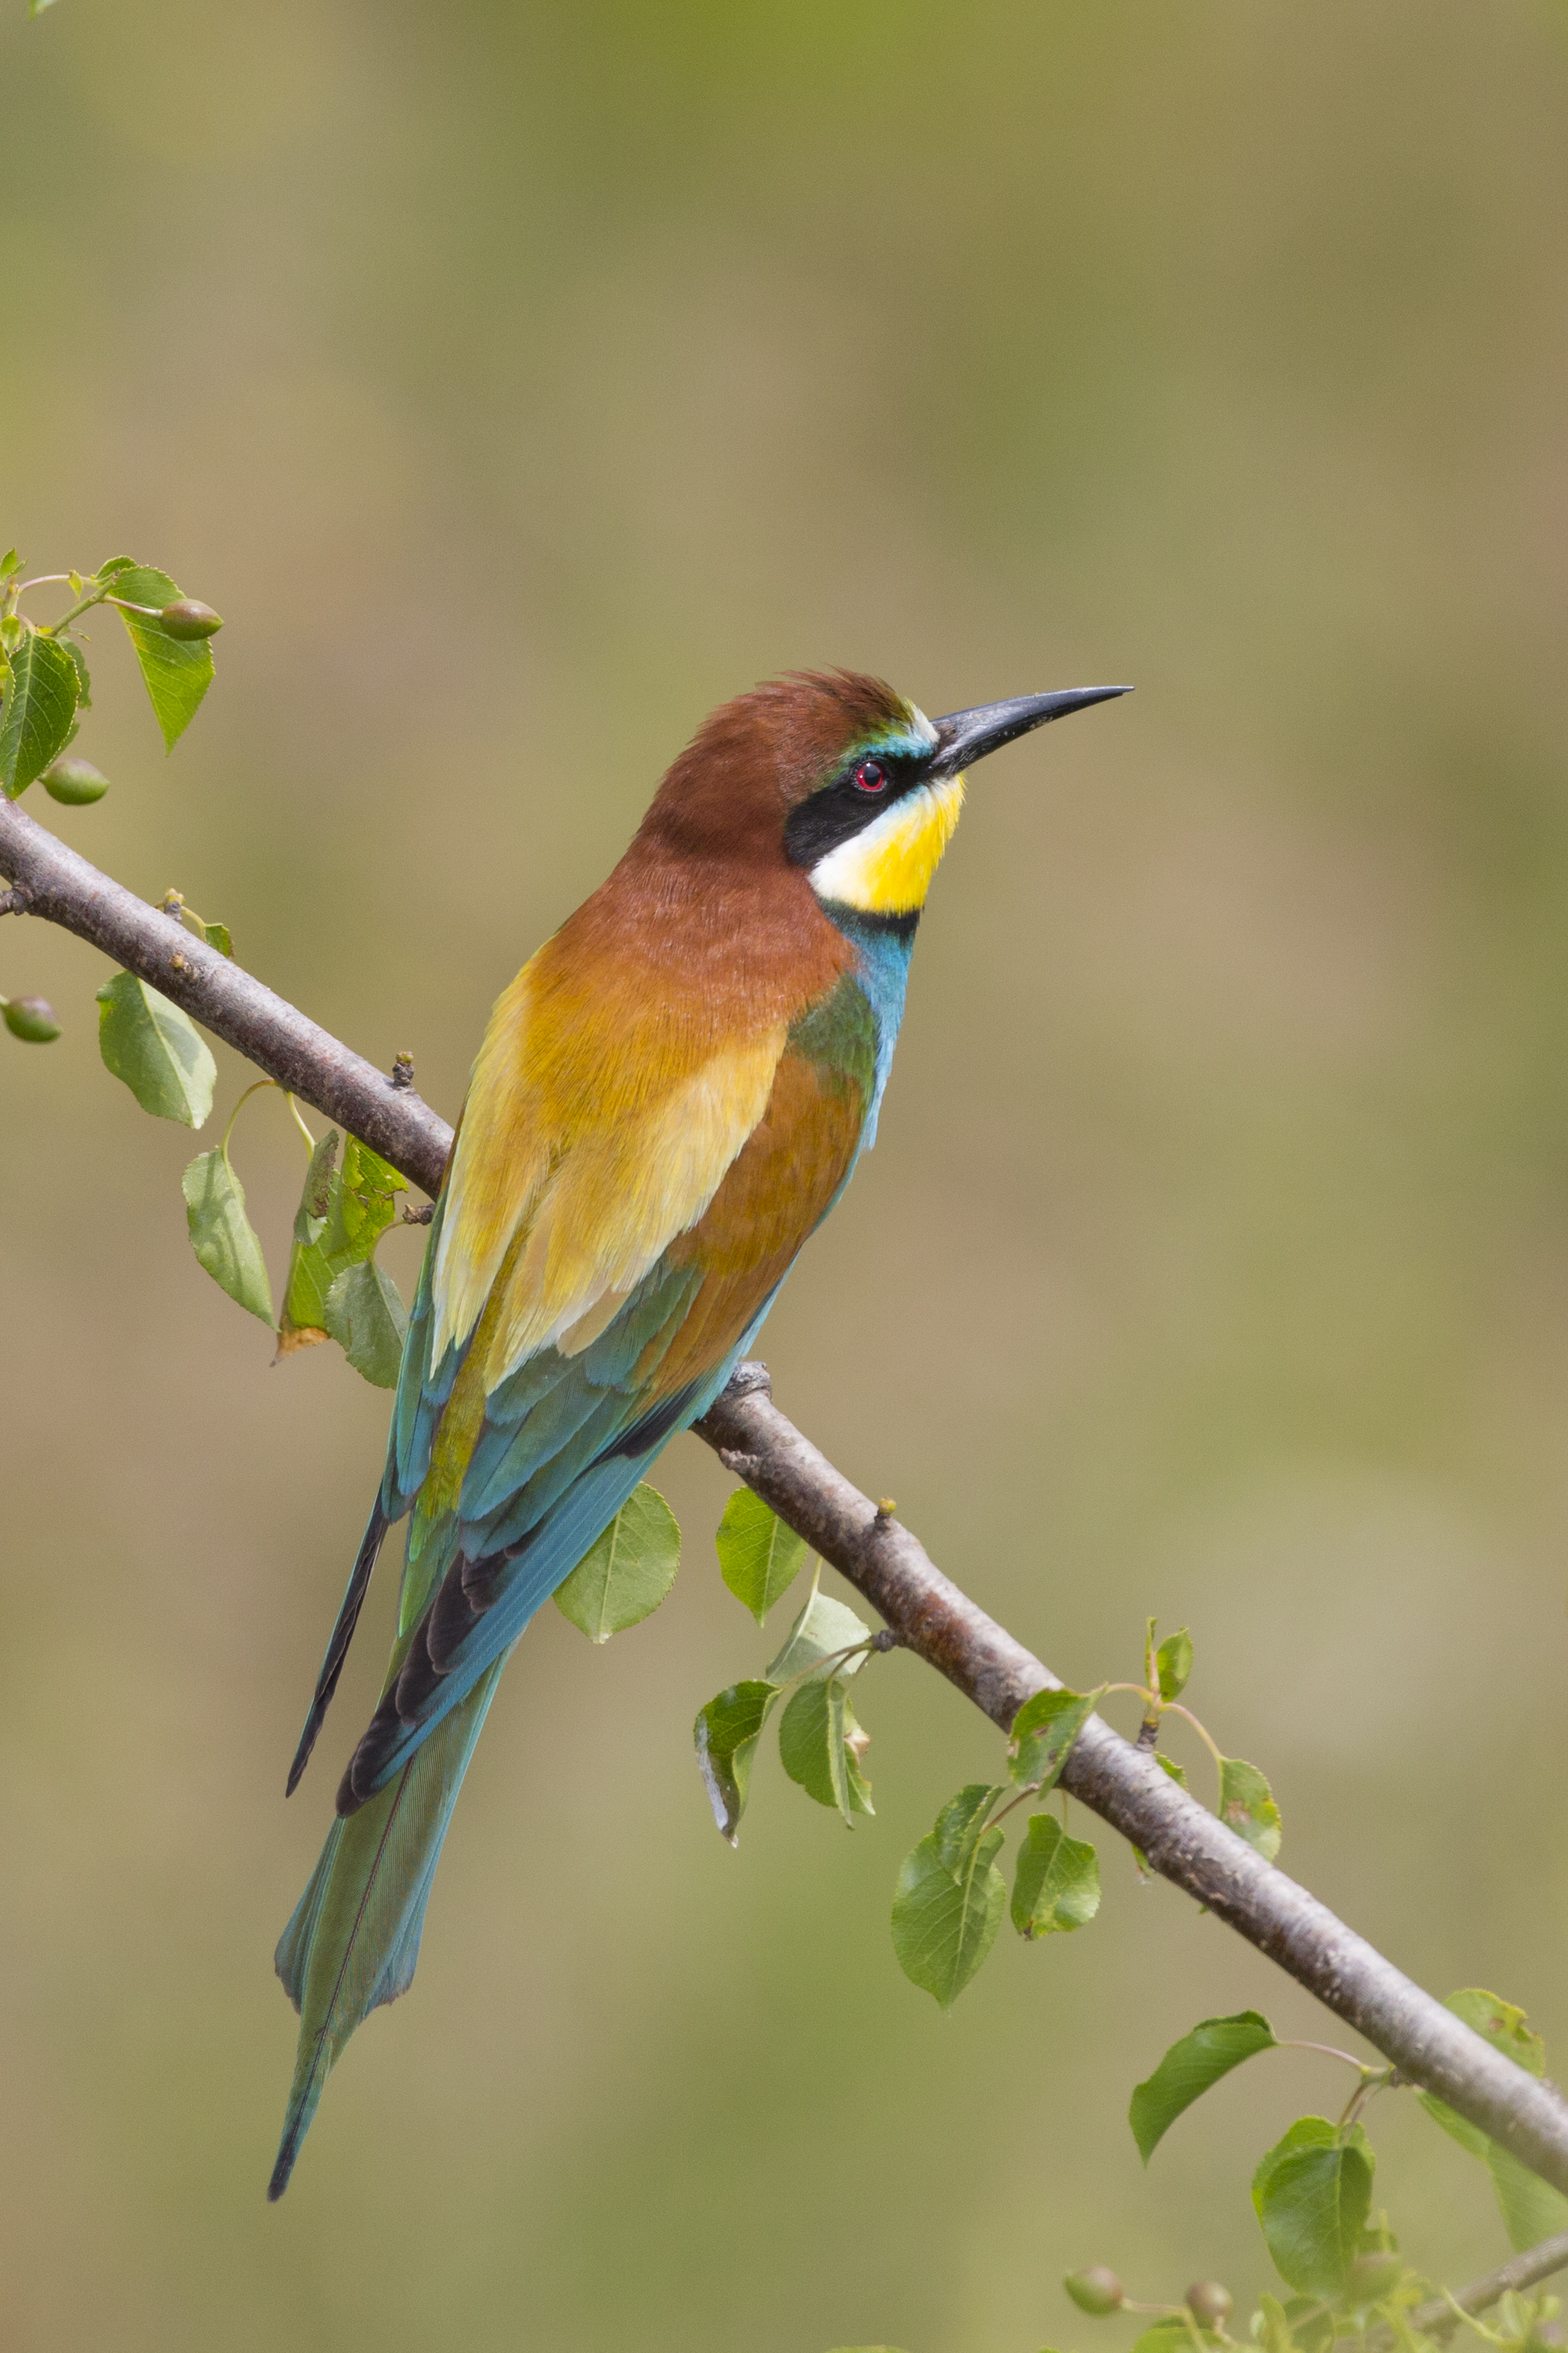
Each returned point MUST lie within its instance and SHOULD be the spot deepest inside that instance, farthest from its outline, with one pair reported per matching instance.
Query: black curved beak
(966, 736)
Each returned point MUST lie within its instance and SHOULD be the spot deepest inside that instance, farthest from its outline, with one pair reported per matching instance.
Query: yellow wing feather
(591, 1145)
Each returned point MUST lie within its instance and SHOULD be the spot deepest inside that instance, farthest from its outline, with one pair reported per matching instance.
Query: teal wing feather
(563, 1442)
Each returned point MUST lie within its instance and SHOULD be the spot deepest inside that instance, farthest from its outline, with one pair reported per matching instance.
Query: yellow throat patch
(887, 868)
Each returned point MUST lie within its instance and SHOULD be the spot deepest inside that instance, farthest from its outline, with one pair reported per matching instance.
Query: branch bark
(886, 1564)
(54, 882)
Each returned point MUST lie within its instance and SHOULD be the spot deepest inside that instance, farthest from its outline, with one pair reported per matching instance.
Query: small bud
(1209, 2304)
(31, 1019)
(1373, 2276)
(74, 782)
(187, 616)
(1096, 2290)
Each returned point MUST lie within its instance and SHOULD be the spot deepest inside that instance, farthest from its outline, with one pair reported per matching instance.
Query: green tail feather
(354, 1941)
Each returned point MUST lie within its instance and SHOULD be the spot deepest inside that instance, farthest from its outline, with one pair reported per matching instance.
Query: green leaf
(824, 1630)
(156, 1050)
(1042, 1736)
(1057, 1880)
(36, 717)
(315, 1197)
(78, 659)
(9, 563)
(726, 1734)
(340, 1221)
(115, 566)
(177, 671)
(1247, 1805)
(1470, 2138)
(950, 1897)
(222, 1236)
(311, 1272)
(626, 1575)
(1502, 2024)
(1276, 2336)
(1531, 2208)
(1190, 2067)
(759, 1557)
(37, 7)
(1174, 1665)
(362, 1203)
(1312, 2198)
(366, 1317)
(216, 936)
(1307, 2131)
(813, 1733)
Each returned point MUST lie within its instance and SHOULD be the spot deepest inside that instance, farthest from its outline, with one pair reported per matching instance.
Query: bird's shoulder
(619, 1079)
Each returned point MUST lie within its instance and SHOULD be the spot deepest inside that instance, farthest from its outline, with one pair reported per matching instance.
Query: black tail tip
(307, 1743)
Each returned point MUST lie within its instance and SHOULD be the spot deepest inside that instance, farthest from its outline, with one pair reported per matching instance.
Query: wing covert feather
(549, 1451)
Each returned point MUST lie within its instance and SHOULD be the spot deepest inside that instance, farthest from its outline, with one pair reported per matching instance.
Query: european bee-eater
(669, 1097)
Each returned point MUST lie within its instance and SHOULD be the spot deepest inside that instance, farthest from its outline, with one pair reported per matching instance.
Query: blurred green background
(518, 380)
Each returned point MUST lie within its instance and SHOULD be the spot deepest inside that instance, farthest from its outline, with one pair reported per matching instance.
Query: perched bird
(669, 1097)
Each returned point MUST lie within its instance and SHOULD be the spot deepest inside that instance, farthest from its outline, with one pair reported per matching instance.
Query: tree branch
(213, 990)
(1536, 2264)
(1182, 1841)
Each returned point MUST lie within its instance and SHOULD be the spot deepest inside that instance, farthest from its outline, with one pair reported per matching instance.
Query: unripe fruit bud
(1373, 2276)
(1096, 2290)
(74, 782)
(1210, 2304)
(31, 1019)
(189, 618)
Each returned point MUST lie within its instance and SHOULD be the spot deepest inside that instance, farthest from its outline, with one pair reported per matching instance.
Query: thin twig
(1182, 1841)
(1522, 2271)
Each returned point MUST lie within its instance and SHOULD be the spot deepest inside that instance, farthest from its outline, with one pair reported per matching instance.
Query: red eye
(870, 776)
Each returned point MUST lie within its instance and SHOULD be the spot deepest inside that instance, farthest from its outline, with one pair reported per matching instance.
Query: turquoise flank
(884, 950)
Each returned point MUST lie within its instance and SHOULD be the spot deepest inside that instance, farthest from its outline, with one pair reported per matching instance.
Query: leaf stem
(239, 1106)
(96, 595)
(832, 1659)
(1330, 2052)
(1148, 1700)
(1470, 2321)
(1020, 1798)
(1373, 2080)
(300, 1123)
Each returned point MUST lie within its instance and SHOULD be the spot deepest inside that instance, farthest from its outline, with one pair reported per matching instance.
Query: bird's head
(833, 774)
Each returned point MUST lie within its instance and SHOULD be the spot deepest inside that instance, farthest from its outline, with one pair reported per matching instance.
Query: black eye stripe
(836, 812)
